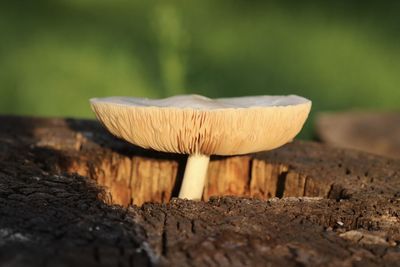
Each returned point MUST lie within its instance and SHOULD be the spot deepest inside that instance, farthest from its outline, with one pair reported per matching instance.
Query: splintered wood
(136, 180)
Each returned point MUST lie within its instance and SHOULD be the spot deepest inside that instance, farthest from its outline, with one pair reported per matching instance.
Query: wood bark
(71, 195)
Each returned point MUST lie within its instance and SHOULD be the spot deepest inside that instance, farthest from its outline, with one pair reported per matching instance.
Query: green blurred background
(55, 55)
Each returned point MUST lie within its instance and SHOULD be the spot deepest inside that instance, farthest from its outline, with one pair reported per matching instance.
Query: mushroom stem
(194, 178)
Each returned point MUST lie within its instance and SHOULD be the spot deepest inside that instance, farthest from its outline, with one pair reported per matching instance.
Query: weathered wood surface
(373, 132)
(59, 180)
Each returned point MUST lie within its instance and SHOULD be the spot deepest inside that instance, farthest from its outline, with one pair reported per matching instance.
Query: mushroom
(200, 127)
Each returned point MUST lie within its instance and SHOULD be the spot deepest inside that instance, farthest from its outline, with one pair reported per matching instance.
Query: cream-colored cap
(193, 124)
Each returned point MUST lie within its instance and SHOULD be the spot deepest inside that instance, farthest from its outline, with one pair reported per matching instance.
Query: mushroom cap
(193, 124)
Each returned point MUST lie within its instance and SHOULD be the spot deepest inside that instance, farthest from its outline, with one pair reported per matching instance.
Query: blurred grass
(55, 55)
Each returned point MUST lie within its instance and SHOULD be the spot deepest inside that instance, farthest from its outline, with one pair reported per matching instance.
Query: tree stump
(373, 132)
(72, 195)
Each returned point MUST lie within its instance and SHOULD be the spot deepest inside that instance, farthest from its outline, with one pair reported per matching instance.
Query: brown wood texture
(305, 204)
(373, 132)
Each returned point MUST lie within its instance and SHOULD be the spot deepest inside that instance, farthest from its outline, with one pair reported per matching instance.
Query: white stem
(194, 178)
